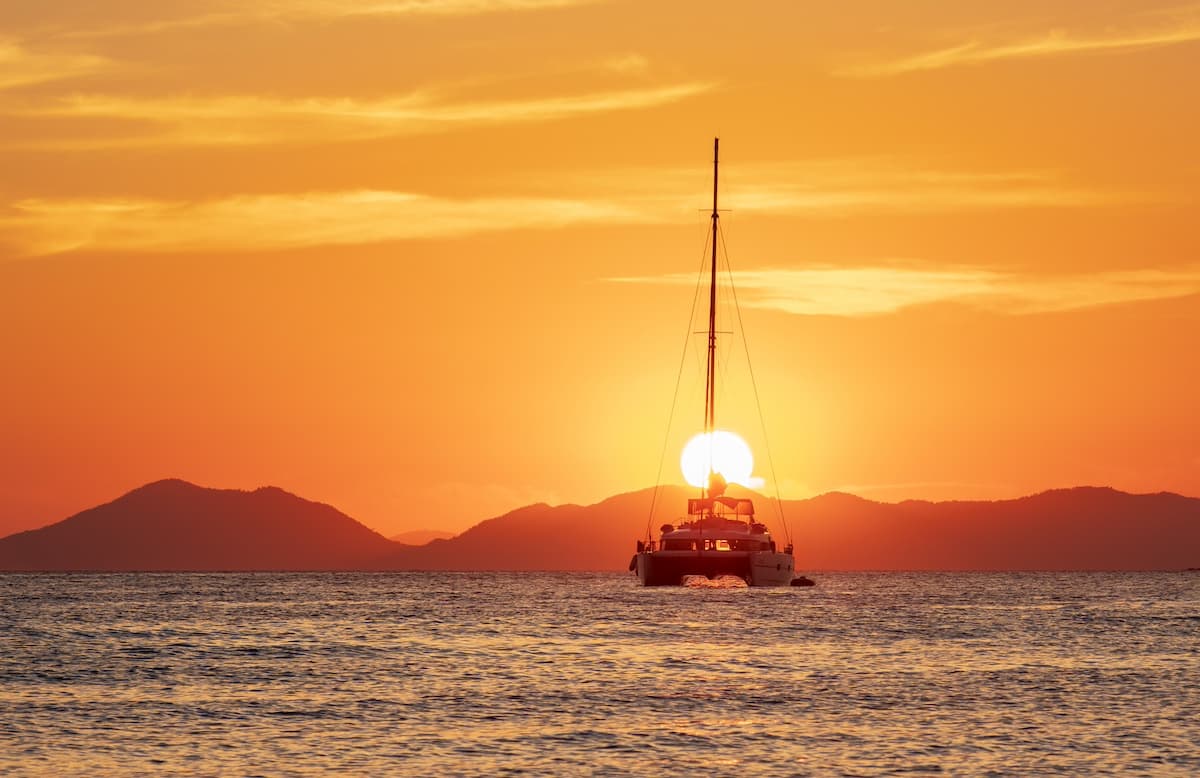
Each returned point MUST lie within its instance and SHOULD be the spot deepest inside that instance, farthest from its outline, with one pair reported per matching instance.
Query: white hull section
(770, 568)
(761, 568)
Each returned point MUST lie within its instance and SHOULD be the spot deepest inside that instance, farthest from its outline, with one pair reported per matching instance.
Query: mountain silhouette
(174, 525)
(540, 537)
(1084, 528)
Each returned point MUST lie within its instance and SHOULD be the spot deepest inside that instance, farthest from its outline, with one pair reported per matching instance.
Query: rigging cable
(754, 384)
(675, 396)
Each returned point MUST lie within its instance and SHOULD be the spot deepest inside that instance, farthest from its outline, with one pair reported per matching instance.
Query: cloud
(834, 190)
(879, 290)
(626, 64)
(241, 120)
(631, 196)
(271, 222)
(283, 220)
(840, 187)
(1054, 43)
(277, 11)
(343, 8)
(21, 67)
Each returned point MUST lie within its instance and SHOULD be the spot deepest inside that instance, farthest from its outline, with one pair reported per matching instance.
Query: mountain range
(175, 525)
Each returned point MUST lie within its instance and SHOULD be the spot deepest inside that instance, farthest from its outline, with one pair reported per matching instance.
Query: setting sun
(721, 452)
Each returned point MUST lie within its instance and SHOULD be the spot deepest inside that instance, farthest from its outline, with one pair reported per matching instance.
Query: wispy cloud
(878, 290)
(19, 66)
(276, 11)
(839, 187)
(283, 220)
(241, 120)
(626, 63)
(1053, 43)
(270, 222)
(341, 8)
(265, 222)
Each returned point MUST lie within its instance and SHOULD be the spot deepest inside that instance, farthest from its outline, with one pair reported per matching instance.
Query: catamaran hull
(763, 568)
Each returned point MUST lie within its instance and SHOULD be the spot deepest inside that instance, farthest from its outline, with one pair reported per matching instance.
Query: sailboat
(720, 536)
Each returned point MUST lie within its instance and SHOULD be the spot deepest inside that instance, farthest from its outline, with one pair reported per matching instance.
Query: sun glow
(721, 452)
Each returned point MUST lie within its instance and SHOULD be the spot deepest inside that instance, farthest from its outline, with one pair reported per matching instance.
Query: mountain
(419, 537)
(1084, 528)
(175, 525)
(540, 537)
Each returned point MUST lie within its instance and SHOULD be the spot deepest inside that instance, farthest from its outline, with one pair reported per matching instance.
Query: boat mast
(710, 381)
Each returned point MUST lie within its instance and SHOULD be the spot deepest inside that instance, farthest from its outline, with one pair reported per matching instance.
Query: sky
(432, 260)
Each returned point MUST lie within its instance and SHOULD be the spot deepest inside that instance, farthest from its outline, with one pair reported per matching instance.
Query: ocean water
(567, 674)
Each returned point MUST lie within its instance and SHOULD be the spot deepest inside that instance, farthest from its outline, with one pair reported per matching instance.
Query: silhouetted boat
(720, 536)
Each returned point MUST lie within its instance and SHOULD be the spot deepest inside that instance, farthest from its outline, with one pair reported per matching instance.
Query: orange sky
(429, 260)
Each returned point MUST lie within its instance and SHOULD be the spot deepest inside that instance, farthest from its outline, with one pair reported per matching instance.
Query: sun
(728, 454)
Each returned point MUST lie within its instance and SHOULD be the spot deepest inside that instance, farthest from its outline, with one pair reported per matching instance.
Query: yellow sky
(429, 260)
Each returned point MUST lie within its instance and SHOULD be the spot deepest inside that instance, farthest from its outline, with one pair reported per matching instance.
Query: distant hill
(1084, 528)
(419, 537)
(540, 537)
(173, 525)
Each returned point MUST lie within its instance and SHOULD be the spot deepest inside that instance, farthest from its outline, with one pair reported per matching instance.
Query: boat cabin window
(713, 544)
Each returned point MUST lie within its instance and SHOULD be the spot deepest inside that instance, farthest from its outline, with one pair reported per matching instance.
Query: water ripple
(495, 674)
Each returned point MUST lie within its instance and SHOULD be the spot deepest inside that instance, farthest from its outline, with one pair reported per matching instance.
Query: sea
(449, 674)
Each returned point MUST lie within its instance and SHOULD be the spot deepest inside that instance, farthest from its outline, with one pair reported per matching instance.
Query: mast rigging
(710, 381)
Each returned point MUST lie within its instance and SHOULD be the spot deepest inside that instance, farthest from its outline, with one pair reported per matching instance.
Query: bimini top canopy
(699, 506)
